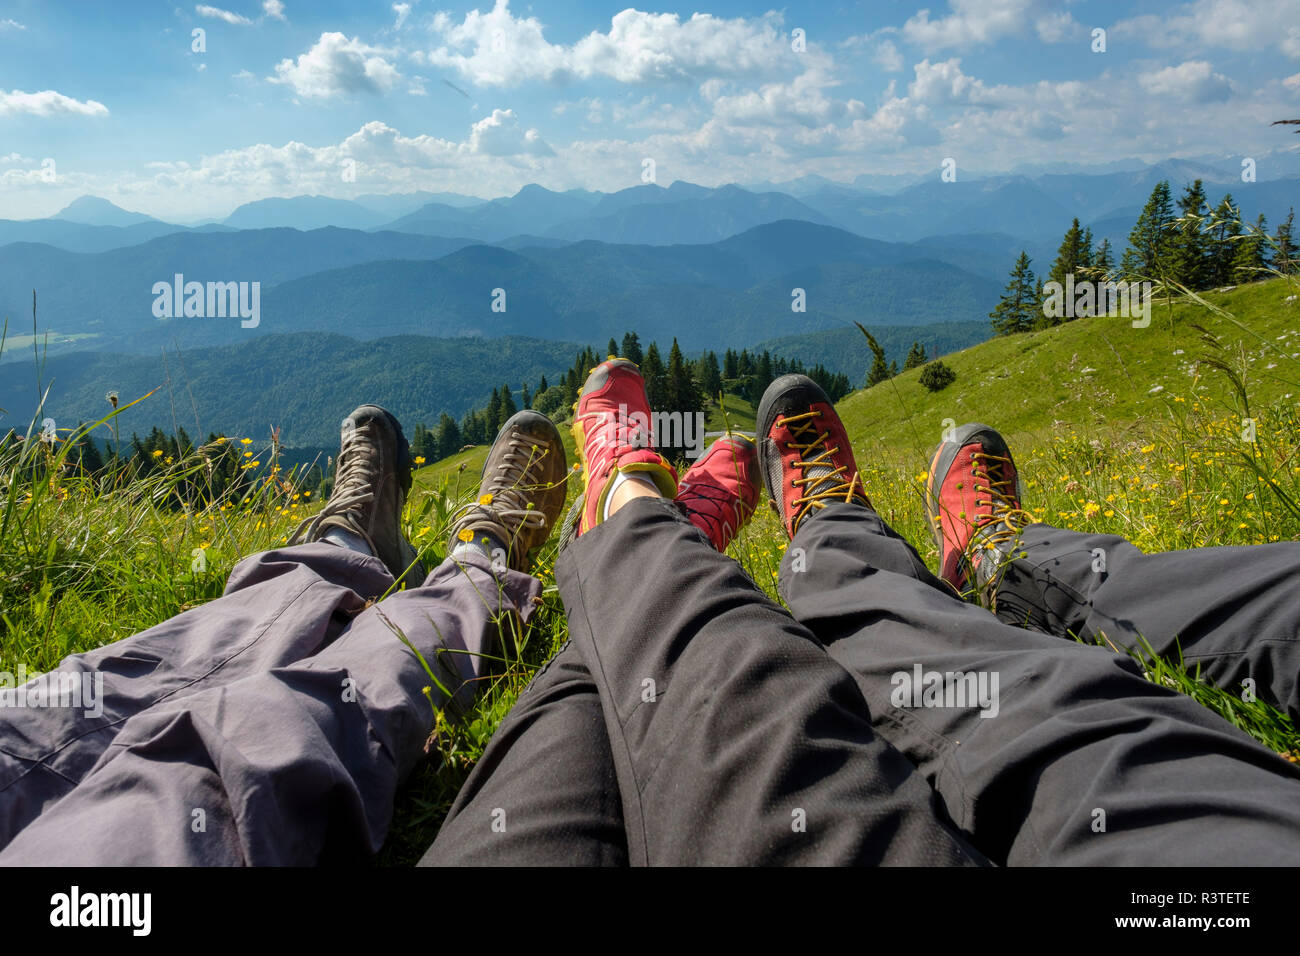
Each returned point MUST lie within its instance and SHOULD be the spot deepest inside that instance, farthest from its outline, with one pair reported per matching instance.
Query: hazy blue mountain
(305, 212)
(702, 217)
(393, 205)
(534, 209)
(77, 237)
(305, 384)
(377, 284)
(110, 294)
(93, 211)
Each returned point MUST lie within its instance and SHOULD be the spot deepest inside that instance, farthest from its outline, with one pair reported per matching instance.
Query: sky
(125, 100)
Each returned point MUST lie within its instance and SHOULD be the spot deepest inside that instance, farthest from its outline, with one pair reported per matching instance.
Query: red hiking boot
(611, 431)
(973, 507)
(720, 491)
(804, 452)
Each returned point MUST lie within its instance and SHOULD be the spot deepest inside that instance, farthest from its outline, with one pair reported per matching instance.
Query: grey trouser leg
(734, 738)
(1234, 611)
(1077, 729)
(544, 793)
(270, 726)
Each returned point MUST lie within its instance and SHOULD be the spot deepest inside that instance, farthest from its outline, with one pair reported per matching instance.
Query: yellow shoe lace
(823, 481)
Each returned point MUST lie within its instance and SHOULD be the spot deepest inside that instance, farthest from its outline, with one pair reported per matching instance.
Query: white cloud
(48, 103)
(1241, 25)
(501, 135)
(337, 65)
(1194, 81)
(273, 9)
(216, 13)
(1292, 82)
(244, 75)
(8, 24)
(403, 10)
(497, 48)
(801, 101)
(975, 23)
(887, 57)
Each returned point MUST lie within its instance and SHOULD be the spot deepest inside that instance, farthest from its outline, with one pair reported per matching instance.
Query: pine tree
(763, 376)
(492, 420)
(1019, 309)
(1250, 258)
(1145, 258)
(1103, 262)
(1284, 257)
(915, 357)
(447, 439)
(1070, 262)
(710, 376)
(730, 364)
(1225, 228)
(631, 348)
(611, 350)
(525, 397)
(1189, 261)
(656, 378)
(879, 370)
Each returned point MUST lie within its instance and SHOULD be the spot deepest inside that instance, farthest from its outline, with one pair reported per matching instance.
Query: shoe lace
(1006, 520)
(822, 480)
(517, 475)
(354, 487)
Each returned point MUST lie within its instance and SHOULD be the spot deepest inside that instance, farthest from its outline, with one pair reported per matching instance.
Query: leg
(1072, 729)
(1042, 751)
(544, 793)
(550, 760)
(735, 739)
(293, 764)
(278, 608)
(1232, 611)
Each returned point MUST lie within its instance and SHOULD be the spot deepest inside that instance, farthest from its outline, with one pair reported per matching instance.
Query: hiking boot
(371, 479)
(611, 431)
(522, 491)
(804, 452)
(720, 491)
(973, 508)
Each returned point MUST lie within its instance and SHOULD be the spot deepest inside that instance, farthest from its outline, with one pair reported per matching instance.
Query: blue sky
(289, 97)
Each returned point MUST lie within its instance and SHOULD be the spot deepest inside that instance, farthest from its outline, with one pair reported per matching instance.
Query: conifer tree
(1019, 310)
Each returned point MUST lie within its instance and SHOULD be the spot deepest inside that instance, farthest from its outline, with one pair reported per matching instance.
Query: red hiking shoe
(973, 507)
(720, 491)
(804, 452)
(611, 431)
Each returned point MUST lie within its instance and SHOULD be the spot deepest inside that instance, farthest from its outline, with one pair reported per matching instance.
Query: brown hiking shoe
(522, 491)
(371, 479)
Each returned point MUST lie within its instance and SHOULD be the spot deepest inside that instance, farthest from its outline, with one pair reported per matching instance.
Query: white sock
(346, 539)
(638, 476)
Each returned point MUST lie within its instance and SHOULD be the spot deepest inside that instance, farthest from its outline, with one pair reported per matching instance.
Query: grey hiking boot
(522, 491)
(371, 479)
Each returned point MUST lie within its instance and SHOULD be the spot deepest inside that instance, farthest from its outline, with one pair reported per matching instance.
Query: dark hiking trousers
(689, 720)
(1080, 738)
(1081, 761)
(270, 726)
(1235, 612)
